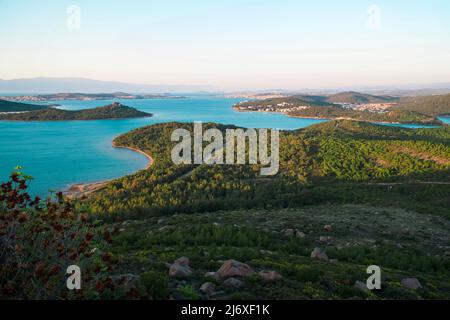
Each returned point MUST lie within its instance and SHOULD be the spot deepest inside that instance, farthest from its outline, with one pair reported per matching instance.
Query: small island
(10, 106)
(113, 111)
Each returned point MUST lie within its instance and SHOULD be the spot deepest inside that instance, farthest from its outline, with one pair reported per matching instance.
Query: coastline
(79, 190)
(437, 121)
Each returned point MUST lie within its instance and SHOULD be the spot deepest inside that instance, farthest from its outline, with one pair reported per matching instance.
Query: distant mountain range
(52, 85)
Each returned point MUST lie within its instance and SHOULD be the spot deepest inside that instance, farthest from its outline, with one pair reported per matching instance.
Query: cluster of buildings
(283, 107)
(371, 107)
(23, 98)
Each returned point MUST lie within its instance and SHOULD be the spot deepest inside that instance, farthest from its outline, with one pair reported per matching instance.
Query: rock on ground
(233, 283)
(270, 276)
(183, 261)
(317, 253)
(208, 288)
(293, 232)
(233, 268)
(361, 286)
(411, 283)
(212, 275)
(180, 268)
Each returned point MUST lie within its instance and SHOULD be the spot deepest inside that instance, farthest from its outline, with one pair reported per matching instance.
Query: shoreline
(436, 123)
(79, 190)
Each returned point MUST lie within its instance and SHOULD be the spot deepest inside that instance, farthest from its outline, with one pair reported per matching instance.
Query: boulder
(411, 283)
(179, 271)
(183, 261)
(233, 283)
(270, 276)
(233, 268)
(180, 268)
(208, 288)
(212, 275)
(293, 233)
(317, 253)
(361, 286)
(324, 239)
(300, 234)
(288, 232)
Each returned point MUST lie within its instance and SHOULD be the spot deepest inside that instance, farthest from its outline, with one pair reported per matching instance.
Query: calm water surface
(58, 154)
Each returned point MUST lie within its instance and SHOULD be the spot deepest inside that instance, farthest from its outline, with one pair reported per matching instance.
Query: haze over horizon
(229, 45)
(41, 85)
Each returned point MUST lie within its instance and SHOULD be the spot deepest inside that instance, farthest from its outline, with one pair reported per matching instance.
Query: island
(355, 106)
(113, 111)
(10, 106)
(89, 96)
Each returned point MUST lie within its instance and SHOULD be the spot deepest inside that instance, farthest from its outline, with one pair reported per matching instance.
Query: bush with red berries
(40, 239)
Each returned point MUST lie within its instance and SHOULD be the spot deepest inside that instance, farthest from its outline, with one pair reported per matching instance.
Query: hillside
(113, 111)
(355, 106)
(359, 98)
(9, 106)
(348, 195)
(364, 194)
(429, 105)
(303, 100)
(313, 161)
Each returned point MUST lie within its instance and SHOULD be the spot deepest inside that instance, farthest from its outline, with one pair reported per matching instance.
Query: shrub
(40, 239)
(156, 284)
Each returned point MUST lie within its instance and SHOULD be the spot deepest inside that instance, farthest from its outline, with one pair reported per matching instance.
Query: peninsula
(355, 106)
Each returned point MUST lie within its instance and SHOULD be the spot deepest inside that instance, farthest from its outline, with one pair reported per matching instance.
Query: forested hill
(356, 106)
(359, 98)
(334, 161)
(113, 111)
(429, 105)
(9, 106)
(360, 193)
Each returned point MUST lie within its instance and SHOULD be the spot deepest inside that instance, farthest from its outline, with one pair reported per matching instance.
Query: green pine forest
(383, 192)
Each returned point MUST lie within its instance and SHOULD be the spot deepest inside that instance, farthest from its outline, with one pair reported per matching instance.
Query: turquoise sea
(58, 154)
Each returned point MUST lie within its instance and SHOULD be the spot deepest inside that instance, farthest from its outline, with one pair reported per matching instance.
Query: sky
(231, 44)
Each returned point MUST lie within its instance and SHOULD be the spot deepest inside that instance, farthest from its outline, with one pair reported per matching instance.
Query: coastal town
(289, 107)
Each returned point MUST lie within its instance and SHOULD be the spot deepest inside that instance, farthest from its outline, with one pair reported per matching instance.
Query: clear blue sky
(229, 43)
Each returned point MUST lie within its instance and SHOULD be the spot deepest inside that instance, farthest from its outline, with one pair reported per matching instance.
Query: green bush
(156, 284)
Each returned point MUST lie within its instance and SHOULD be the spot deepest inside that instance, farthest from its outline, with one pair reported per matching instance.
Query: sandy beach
(80, 190)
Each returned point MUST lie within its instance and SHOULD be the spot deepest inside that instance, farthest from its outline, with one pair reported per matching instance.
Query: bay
(59, 154)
